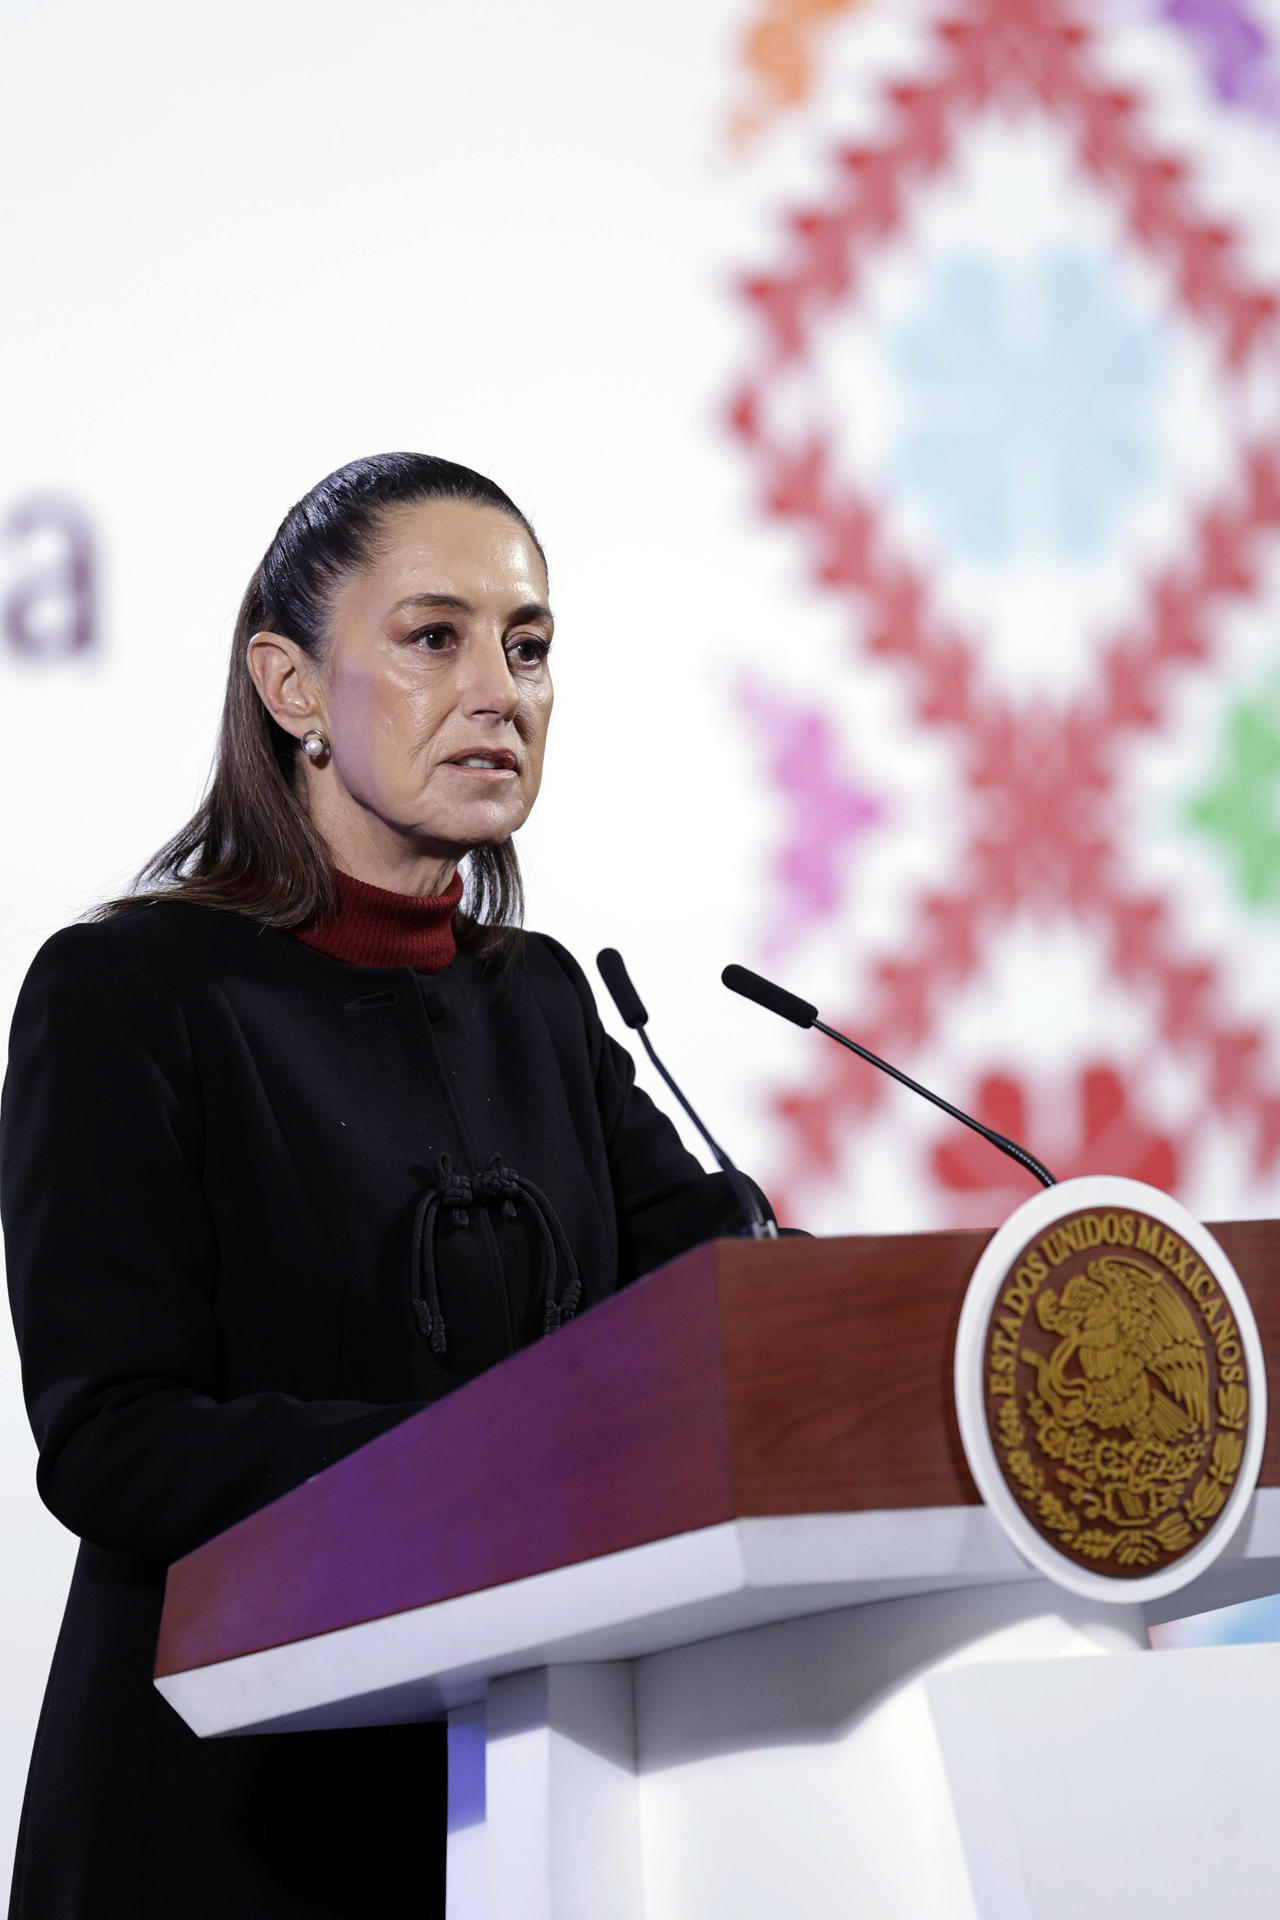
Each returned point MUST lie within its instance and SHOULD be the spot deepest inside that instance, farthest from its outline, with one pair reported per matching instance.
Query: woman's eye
(529, 651)
(435, 639)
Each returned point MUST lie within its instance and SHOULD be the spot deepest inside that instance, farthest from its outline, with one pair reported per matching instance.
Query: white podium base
(1134, 1787)
(761, 1718)
(791, 1769)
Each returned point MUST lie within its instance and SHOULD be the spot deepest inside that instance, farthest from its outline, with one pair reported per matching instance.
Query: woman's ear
(283, 675)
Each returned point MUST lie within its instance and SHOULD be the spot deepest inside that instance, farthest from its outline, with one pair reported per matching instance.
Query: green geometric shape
(1240, 809)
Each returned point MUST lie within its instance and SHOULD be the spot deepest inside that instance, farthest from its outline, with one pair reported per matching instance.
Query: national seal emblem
(1118, 1379)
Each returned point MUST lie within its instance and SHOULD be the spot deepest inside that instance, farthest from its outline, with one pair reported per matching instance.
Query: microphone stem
(1011, 1147)
(761, 1229)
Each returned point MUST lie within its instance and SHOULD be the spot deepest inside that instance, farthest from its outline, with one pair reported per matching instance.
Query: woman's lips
(485, 766)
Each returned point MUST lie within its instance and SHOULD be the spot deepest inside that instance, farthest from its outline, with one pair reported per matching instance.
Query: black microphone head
(621, 992)
(774, 999)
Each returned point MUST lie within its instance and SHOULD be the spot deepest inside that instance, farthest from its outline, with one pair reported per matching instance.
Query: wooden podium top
(748, 1379)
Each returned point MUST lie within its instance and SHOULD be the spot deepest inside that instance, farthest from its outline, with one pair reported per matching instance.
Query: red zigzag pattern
(1044, 781)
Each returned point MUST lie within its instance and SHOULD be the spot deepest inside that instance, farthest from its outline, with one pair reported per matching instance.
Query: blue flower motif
(1027, 401)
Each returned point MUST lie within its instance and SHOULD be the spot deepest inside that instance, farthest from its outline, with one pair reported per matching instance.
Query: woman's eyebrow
(434, 600)
(532, 609)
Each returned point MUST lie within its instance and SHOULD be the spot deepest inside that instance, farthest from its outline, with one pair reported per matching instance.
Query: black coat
(215, 1153)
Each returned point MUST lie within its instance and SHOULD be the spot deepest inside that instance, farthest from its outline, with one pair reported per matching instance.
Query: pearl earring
(314, 744)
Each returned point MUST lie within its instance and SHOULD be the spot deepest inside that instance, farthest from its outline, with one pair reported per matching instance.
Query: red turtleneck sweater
(373, 928)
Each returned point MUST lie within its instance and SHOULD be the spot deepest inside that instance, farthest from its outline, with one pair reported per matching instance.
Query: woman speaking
(296, 1140)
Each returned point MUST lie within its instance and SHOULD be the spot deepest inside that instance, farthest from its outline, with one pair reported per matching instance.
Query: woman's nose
(485, 683)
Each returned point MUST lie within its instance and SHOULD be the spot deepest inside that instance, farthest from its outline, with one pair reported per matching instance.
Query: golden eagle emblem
(1107, 1405)
(1130, 1356)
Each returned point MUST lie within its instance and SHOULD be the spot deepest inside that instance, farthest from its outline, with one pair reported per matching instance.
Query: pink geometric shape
(827, 814)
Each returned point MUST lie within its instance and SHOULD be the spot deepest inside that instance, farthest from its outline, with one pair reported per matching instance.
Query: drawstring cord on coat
(501, 1187)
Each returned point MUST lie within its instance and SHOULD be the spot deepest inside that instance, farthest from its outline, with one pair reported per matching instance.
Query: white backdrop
(248, 242)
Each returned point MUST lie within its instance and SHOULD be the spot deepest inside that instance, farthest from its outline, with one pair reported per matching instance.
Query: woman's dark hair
(251, 846)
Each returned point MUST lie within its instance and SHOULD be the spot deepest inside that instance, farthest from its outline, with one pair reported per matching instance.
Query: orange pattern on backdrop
(778, 51)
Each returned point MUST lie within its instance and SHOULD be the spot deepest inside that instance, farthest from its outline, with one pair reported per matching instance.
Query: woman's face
(434, 692)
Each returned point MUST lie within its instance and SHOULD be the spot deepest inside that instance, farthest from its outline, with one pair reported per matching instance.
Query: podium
(721, 1630)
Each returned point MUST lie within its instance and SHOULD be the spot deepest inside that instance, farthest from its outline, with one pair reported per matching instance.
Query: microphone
(632, 1009)
(789, 1006)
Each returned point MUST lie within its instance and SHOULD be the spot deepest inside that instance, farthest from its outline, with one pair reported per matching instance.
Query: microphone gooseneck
(776, 999)
(632, 1011)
